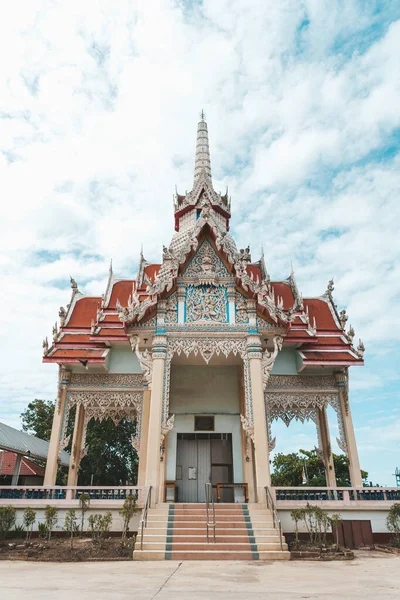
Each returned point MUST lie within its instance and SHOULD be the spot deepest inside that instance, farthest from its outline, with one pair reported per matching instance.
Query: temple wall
(377, 518)
(204, 389)
(123, 360)
(285, 362)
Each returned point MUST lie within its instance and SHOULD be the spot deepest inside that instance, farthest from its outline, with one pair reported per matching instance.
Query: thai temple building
(205, 352)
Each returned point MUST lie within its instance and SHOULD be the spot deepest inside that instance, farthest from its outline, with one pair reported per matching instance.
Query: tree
(288, 469)
(111, 458)
(37, 419)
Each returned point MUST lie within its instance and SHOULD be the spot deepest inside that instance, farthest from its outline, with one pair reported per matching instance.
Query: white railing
(345, 495)
(68, 493)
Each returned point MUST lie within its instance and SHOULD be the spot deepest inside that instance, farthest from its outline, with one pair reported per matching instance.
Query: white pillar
(261, 450)
(155, 413)
(76, 452)
(326, 447)
(352, 452)
(144, 437)
(50, 475)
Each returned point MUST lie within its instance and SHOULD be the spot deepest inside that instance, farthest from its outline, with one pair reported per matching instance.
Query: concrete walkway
(371, 575)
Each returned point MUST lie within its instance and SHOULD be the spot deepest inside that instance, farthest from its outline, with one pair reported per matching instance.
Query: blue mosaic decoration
(206, 260)
(206, 304)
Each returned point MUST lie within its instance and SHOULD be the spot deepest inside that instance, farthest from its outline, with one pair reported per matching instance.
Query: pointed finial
(110, 269)
(202, 164)
(202, 115)
(291, 269)
(360, 349)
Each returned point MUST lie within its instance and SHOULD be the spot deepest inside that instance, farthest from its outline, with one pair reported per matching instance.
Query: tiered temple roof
(91, 325)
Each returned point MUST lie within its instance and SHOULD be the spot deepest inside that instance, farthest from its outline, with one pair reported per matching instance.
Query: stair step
(211, 555)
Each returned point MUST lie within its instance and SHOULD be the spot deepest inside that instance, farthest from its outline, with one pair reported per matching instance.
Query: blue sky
(98, 113)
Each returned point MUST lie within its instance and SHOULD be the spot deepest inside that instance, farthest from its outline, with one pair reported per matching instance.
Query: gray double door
(202, 458)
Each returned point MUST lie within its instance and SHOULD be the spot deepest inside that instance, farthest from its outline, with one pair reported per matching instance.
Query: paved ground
(371, 575)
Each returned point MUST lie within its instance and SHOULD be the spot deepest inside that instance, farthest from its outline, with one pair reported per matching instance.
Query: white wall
(123, 360)
(204, 390)
(377, 518)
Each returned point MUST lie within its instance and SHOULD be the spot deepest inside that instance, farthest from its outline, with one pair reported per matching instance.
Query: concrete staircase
(178, 532)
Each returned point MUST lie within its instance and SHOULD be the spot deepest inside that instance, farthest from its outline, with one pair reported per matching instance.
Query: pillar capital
(65, 376)
(159, 347)
(254, 347)
(341, 378)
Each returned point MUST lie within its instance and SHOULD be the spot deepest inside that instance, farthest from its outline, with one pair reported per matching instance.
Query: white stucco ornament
(268, 359)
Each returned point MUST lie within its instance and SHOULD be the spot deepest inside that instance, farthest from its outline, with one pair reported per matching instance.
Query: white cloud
(97, 125)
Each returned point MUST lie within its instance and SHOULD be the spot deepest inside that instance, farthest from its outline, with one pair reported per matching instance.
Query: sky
(99, 103)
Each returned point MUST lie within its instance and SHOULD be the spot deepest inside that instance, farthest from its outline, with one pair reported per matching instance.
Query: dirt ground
(59, 550)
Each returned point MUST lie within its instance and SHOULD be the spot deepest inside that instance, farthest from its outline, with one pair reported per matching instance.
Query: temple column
(76, 452)
(144, 432)
(247, 447)
(155, 414)
(326, 448)
(50, 475)
(261, 450)
(352, 452)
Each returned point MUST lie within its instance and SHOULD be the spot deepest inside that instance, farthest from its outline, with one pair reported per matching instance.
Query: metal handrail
(276, 521)
(143, 522)
(210, 500)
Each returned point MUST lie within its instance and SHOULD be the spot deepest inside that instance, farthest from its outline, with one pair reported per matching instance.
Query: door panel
(204, 467)
(201, 458)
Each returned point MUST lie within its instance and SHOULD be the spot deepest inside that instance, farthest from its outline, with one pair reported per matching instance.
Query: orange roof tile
(285, 291)
(152, 270)
(121, 291)
(84, 311)
(320, 310)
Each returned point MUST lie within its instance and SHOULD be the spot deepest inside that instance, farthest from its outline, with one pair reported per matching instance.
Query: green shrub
(393, 523)
(50, 519)
(71, 524)
(29, 521)
(99, 525)
(127, 511)
(84, 504)
(7, 520)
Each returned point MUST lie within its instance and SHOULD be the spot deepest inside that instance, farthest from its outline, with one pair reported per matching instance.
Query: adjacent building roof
(28, 467)
(23, 443)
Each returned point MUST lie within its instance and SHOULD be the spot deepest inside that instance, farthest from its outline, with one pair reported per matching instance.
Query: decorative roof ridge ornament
(142, 265)
(111, 280)
(360, 349)
(298, 298)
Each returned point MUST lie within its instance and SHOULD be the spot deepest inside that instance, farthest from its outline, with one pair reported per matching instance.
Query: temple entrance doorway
(202, 458)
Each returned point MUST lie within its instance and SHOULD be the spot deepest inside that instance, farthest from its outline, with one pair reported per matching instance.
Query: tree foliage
(37, 418)
(393, 523)
(111, 458)
(288, 469)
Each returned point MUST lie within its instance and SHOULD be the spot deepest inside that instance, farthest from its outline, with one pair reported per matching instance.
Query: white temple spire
(202, 161)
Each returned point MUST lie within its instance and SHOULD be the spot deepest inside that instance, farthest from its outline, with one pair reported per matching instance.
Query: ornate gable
(206, 263)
